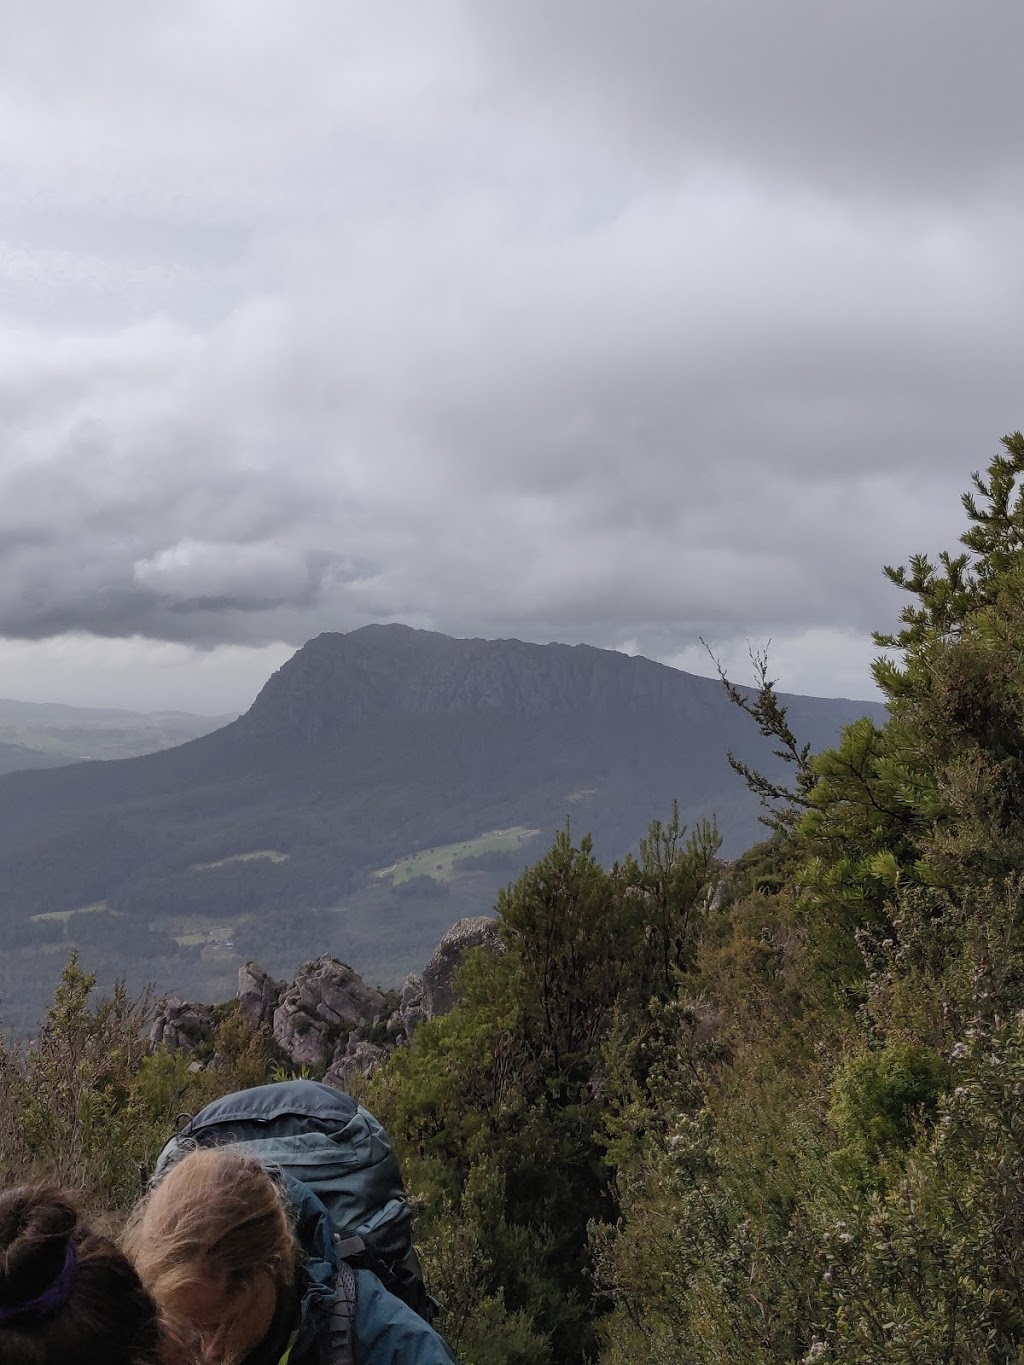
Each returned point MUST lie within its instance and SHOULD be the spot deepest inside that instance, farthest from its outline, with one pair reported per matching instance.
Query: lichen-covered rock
(439, 991)
(258, 995)
(180, 1024)
(326, 1015)
(410, 1012)
(361, 1059)
(328, 999)
(718, 888)
(337, 993)
(412, 990)
(300, 1038)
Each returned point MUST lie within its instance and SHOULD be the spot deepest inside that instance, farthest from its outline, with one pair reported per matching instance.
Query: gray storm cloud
(605, 322)
(915, 99)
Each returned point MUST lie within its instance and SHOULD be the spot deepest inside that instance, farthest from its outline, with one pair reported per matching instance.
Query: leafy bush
(879, 1099)
(87, 1104)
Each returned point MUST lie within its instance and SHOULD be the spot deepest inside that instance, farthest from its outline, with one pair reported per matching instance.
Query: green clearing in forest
(271, 854)
(65, 915)
(440, 862)
(195, 933)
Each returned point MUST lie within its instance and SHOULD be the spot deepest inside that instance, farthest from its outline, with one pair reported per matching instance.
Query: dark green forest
(761, 1112)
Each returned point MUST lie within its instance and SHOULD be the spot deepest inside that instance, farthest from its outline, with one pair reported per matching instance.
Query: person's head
(213, 1243)
(68, 1294)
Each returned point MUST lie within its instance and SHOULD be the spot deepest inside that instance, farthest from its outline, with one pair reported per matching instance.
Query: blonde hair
(217, 1215)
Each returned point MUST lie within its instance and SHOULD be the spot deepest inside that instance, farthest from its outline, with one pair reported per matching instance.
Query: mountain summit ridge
(378, 669)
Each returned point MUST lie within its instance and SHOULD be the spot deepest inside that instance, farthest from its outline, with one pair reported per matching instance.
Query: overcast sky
(619, 321)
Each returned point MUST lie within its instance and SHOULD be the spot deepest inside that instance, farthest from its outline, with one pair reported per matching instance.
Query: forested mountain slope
(364, 749)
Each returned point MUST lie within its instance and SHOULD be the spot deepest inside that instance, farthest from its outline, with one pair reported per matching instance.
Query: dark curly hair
(68, 1294)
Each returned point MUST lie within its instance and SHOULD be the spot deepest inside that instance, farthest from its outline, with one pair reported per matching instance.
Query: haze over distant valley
(49, 735)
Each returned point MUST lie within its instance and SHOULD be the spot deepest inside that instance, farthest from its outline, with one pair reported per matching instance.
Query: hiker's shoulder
(388, 1332)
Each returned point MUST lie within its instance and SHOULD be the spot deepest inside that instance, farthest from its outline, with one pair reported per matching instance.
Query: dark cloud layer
(604, 322)
(918, 98)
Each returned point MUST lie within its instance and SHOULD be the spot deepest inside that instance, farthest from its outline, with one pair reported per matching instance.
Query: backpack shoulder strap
(341, 1326)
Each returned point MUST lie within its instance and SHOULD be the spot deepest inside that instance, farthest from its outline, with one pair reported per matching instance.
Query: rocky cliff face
(258, 995)
(337, 682)
(327, 1001)
(328, 1017)
(181, 1025)
(434, 990)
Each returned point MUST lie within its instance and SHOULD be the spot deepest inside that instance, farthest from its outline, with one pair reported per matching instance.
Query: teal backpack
(323, 1139)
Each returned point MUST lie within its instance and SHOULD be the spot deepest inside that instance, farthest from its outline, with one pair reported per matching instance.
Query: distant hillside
(277, 836)
(16, 757)
(47, 734)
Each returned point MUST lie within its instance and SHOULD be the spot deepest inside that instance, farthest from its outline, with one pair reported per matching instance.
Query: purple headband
(51, 1299)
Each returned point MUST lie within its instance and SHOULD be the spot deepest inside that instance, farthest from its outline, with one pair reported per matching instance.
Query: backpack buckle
(347, 1247)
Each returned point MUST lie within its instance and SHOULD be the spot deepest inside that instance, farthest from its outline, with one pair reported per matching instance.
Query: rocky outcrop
(410, 1013)
(412, 991)
(440, 991)
(326, 1002)
(258, 995)
(434, 991)
(180, 1024)
(328, 1015)
(360, 1058)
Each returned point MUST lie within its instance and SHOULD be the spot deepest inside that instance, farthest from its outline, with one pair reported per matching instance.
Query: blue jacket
(387, 1331)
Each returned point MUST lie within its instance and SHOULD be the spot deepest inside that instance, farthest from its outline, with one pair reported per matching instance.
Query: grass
(196, 935)
(440, 863)
(65, 915)
(271, 855)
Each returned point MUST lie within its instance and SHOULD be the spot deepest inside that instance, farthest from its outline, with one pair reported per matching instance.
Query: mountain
(384, 783)
(15, 757)
(47, 734)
